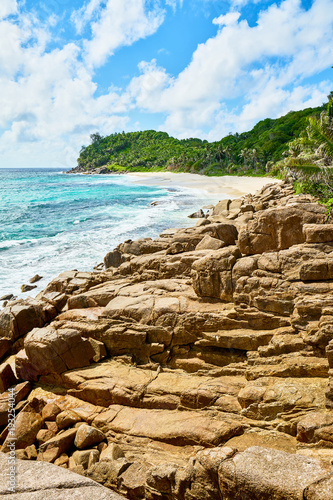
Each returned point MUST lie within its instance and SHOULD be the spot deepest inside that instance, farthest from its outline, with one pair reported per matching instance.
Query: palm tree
(245, 155)
(310, 157)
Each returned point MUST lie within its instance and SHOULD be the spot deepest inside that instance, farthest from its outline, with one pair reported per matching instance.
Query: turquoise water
(52, 222)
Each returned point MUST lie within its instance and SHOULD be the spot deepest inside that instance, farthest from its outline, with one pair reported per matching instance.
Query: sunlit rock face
(194, 366)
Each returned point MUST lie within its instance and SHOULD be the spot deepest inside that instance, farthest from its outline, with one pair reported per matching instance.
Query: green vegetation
(309, 159)
(250, 153)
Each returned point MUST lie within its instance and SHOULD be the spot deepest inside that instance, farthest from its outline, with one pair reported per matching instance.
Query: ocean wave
(90, 217)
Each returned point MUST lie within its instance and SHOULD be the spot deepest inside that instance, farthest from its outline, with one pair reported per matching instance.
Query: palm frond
(321, 132)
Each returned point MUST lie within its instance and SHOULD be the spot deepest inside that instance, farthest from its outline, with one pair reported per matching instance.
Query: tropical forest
(297, 147)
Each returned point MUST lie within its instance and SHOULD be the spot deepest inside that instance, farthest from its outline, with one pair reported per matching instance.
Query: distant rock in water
(9, 296)
(27, 288)
(35, 278)
(200, 214)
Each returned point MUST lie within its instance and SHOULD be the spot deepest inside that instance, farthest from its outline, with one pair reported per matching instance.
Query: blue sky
(192, 68)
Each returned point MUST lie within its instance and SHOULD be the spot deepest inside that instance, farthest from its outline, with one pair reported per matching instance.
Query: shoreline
(182, 324)
(234, 186)
(200, 189)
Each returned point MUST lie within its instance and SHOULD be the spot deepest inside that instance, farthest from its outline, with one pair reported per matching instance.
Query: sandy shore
(228, 185)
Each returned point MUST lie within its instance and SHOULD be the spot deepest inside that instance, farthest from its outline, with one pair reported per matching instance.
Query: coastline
(185, 194)
(183, 325)
(233, 186)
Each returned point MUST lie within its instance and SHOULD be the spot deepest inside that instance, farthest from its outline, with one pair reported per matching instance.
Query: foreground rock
(196, 366)
(38, 481)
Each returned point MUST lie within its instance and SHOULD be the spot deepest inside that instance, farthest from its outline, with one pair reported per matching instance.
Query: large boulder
(175, 427)
(279, 228)
(56, 446)
(188, 239)
(318, 233)
(261, 474)
(27, 425)
(49, 350)
(21, 316)
(212, 275)
(40, 480)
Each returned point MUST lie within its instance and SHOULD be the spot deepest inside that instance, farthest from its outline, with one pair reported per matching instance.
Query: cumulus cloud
(83, 16)
(7, 7)
(288, 44)
(48, 100)
(230, 18)
(120, 23)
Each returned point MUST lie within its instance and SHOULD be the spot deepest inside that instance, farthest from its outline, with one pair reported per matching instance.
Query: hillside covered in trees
(252, 152)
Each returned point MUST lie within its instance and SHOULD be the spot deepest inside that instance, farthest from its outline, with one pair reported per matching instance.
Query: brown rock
(44, 435)
(179, 428)
(27, 288)
(211, 275)
(86, 458)
(88, 436)
(318, 233)
(112, 452)
(62, 461)
(22, 316)
(31, 452)
(50, 412)
(67, 418)
(7, 377)
(264, 439)
(314, 426)
(20, 391)
(107, 473)
(209, 243)
(27, 425)
(278, 228)
(99, 349)
(265, 398)
(54, 447)
(161, 478)
(197, 215)
(55, 351)
(35, 278)
(221, 207)
(133, 480)
(5, 345)
(30, 314)
(259, 473)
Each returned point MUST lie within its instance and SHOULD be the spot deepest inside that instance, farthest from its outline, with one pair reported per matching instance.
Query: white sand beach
(228, 185)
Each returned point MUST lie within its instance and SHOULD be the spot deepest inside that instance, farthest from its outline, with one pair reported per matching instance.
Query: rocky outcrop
(259, 473)
(195, 366)
(41, 480)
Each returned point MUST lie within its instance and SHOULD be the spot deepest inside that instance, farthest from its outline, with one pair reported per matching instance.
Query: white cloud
(227, 19)
(146, 89)
(7, 7)
(83, 16)
(48, 100)
(174, 3)
(288, 44)
(120, 23)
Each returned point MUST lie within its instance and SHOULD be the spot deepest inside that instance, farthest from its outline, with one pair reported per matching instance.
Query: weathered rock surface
(258, 473)
(38, 481)
(197, 366)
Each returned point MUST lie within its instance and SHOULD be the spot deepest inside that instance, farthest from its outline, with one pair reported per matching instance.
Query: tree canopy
(149, 150)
